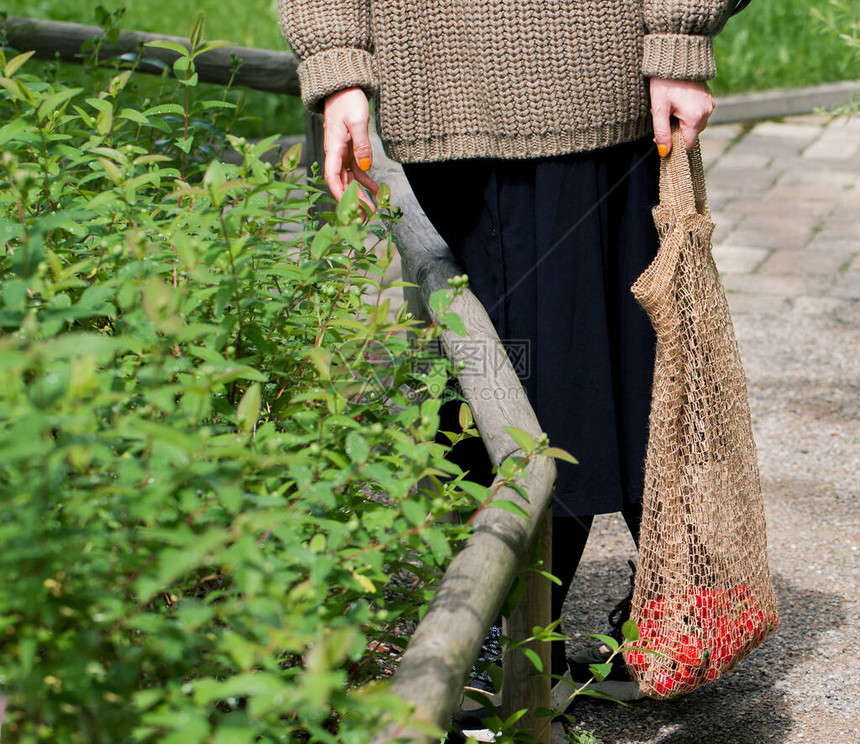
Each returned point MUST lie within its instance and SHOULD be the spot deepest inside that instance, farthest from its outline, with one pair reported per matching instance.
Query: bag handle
(682, 178)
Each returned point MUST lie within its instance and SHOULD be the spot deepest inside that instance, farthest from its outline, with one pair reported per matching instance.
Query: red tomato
(725, 647)
(686, 677)
(649, 630)
(708, 599)
(653, 609)
(690, 650)
(741, 592)
(637, 661)
(665, 683)
(711, 674)
(708, 606)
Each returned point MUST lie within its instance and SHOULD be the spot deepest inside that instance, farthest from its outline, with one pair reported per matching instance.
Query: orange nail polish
(663, 150)
(364, 164)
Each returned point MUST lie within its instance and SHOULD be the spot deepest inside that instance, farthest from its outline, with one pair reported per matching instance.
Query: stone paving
(786, 202)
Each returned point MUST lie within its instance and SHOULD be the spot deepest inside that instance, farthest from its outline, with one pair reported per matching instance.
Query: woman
(527, 130)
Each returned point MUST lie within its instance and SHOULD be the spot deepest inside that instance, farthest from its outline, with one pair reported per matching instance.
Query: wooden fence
(447, 641)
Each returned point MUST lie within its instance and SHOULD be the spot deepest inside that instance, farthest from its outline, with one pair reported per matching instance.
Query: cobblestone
(804, 263)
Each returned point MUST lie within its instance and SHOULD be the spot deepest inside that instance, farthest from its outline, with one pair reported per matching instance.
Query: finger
(334, 173)
(662, 130)
(361, 149)
(690, 132)
(336, 146)
(365, 180)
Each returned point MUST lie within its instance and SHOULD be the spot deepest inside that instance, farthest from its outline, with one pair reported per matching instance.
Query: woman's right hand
(348, 153)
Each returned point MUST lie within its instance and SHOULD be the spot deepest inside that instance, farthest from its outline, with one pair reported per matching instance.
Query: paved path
(786, 197)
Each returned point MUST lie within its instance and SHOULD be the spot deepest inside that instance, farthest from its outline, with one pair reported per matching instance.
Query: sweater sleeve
(333, 42)
(679, 37)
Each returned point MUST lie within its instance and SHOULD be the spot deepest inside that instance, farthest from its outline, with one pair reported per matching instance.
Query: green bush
(204, 497)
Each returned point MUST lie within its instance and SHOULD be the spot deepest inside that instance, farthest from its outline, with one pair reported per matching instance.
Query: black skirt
(551, 247)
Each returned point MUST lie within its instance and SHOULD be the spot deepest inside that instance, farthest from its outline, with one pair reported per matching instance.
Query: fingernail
(364, 163)
(663, 150)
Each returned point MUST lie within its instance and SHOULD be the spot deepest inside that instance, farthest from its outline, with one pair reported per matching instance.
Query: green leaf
(197, 30)
(413, 511)
(224, 105)
(600, 671)
(119, 82)
(21, 92)
(104, 122)
(478, 492)
(608, 640)
(554, 579)
(602, 695)
(165, 108)
(496, 674)
(357, 447)
(50, 104)
(560, 454)
(454, 323)
(321, 359)
(630, 631)
(248, 410)
(533, 658)
(465, 416)
(100, 104)
(440, 300)
(348, 211)
(133, 115)
(514, 595)
(12, 130)
(14, 64)
(170, 46)
(509, 506)
(184, 143)
(522, 438)
(438, 544)
(214, 44)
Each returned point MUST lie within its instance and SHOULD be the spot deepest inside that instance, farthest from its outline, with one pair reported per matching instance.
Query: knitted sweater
(500, 78)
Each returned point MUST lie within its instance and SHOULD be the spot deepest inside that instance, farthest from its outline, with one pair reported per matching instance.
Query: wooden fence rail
(270, 71)
(449, 637)
(447, 641)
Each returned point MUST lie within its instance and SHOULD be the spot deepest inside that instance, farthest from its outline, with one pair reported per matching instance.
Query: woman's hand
(690, 102)
(348, 153)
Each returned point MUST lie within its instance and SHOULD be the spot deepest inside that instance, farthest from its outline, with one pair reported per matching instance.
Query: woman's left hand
(689, 101)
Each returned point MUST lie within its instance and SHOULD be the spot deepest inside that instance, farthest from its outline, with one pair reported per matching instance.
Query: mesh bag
(703, 597)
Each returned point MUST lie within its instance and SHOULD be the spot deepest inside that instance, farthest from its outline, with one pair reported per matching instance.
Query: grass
(249, 24)
(778, 44)
(772, 44)
(264, 113)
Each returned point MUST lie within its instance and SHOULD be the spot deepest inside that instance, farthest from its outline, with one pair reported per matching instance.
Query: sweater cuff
(679, 57)
(332, 70)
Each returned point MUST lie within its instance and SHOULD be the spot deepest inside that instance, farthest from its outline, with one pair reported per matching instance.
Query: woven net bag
(703, 597)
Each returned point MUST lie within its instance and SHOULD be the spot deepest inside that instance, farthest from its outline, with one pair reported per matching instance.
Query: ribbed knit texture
(500, 78)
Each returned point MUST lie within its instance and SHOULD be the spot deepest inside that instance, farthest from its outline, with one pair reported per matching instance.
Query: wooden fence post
(524, 686)
(314, 139)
